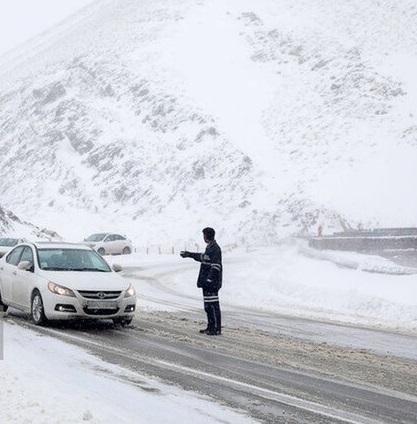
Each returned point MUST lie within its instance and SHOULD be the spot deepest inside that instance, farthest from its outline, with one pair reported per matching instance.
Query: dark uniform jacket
(211, 270)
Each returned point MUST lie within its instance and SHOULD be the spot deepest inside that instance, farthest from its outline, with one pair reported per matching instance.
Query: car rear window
(96, 237)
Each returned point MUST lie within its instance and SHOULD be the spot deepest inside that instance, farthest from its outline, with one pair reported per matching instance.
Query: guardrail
(364, 243)
(379, 232)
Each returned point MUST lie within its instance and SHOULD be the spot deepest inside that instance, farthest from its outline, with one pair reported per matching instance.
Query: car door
(8, 272)
(23, 283)
(110, 244)
(120, 243)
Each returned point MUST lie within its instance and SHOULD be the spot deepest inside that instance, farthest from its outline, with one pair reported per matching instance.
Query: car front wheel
(127, 251)
(37, 309)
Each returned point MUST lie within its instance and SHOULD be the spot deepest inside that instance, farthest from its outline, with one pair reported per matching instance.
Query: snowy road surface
(157, 293)
(271, 367)
(293, 280)
(249, 375)
(44, 380)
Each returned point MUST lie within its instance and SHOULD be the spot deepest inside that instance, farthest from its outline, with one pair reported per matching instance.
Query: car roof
(60, 245)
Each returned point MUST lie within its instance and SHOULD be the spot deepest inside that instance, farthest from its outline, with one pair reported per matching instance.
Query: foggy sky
(21, 20)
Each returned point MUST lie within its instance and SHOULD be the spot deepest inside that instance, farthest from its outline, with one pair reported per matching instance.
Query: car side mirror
(117, 268)
(25, 265)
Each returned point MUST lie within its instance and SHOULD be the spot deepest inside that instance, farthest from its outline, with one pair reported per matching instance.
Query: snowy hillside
(259, 118)
(11, 225)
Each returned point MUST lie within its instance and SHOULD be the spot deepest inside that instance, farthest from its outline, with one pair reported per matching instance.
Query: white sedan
(109, 244)
(58, 281)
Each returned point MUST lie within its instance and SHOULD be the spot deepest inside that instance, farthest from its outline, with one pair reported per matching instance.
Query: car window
(120, 237)
(71, 260)
(96, 237)
(27, 255)
(111, 237)
(13, 258)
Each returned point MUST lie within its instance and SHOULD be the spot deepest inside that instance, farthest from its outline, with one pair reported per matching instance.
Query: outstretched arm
(199, 257)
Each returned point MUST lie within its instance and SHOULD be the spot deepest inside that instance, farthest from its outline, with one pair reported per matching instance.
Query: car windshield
(96, 237)
(72, 260)
(9, 242)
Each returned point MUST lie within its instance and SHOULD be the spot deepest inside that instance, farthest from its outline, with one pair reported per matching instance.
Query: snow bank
(44, 380)
(285, 280)
(359, 261)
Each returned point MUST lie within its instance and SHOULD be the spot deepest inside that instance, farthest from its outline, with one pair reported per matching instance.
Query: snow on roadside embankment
(55, 382)
(289, 279)
(13, 226)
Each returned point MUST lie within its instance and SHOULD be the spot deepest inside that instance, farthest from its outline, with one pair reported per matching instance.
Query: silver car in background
(109, 244)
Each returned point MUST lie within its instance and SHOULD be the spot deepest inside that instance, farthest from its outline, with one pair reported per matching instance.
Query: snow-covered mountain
(12, 225)
(260, 118)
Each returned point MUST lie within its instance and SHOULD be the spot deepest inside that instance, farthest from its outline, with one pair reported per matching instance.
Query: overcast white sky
(21, 20)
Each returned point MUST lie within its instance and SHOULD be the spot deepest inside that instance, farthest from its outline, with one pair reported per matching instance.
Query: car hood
(86, 280)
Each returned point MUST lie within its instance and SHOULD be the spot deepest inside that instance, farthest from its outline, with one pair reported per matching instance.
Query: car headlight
(130, 291)
(60, 290)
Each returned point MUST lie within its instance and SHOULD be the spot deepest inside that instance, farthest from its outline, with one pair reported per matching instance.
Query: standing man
(210, 280)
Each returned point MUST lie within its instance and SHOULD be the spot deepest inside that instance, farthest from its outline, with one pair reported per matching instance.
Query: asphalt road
(275, 368)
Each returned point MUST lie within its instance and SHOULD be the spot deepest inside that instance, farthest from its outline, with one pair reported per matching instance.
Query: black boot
(213, 333)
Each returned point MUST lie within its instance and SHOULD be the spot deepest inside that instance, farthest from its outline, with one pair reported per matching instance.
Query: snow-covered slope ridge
(259, 117)
(11, 225)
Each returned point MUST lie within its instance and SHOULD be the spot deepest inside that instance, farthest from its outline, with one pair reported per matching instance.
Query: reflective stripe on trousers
(212, 308)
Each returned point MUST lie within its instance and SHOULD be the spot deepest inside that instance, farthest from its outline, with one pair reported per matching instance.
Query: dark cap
(209, 233)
